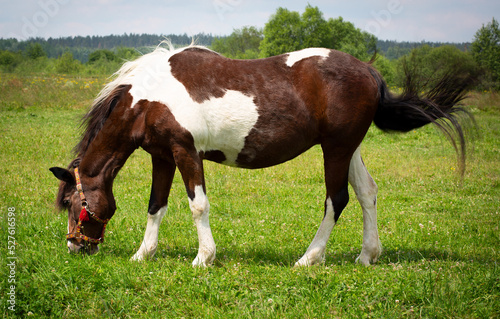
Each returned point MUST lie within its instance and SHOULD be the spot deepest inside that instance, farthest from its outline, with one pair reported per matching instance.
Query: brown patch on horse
(165, 138)
(284, 115)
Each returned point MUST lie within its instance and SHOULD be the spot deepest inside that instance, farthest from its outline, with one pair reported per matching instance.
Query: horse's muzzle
(84, 248)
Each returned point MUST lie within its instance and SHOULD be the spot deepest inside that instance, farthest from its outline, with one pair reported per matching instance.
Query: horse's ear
(63, 174)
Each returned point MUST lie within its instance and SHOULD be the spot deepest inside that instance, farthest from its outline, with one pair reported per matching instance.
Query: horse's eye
(66, 202)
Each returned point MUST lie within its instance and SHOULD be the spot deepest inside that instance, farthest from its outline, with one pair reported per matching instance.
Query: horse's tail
(420, 104)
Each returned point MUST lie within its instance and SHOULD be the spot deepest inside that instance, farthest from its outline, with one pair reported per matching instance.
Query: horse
(191, 104)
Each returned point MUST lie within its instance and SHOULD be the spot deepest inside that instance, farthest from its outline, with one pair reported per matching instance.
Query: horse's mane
(106, 100)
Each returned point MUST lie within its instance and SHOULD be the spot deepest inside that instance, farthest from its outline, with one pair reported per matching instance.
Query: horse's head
(89, 209)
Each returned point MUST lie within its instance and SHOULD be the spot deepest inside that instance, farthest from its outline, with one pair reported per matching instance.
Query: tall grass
(485, 101)
(441, 239)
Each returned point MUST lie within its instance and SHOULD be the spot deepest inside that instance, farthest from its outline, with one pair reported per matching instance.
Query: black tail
(419, 105)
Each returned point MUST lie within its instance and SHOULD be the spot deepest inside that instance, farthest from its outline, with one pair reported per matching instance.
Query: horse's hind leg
(163, 174)
(337, 197)
(366, 191)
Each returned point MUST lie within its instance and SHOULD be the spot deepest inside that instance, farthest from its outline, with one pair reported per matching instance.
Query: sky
(400, 20)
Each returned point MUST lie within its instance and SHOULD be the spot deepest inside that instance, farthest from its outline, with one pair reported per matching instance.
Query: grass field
(441, 236)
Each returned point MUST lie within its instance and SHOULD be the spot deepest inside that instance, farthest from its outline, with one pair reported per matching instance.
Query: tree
(282, 33)
(315, 31)
(347, 38)
(241, 44)
(9, 60)
(289, 31)
(386, 68)
(66, 64)
(396, 51)
(35, 51)
(102, 55)
(433, 63)
(126, 54)
(486, 52)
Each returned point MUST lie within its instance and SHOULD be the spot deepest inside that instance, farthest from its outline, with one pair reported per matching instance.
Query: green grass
(441, 237)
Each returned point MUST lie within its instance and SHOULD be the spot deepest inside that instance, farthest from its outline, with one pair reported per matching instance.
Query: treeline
(284, 32)
(393, 50)
(81, 47)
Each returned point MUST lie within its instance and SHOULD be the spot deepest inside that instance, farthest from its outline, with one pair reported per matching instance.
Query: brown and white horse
(187, 105)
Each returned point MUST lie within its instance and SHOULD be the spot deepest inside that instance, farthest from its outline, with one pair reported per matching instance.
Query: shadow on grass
(288, 257)
(415, 255)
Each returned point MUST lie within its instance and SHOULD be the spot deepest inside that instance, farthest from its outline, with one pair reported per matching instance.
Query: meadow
(440, 233)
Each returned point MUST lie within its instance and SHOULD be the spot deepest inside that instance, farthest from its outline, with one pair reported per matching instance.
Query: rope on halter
(85, 213)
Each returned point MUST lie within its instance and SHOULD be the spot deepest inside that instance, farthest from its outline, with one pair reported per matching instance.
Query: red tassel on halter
(84, 216)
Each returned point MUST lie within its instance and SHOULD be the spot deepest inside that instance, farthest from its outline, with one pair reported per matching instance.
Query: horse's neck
(104, 164)
(106, 155)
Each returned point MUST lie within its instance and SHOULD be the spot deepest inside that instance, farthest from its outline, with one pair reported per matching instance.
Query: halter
(84, 216)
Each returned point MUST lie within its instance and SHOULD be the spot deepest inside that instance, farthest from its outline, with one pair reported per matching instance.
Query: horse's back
(258, 113)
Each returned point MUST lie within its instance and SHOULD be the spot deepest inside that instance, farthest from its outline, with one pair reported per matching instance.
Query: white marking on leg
(150, 242)
(316, 251)
(296, 56)
(366, 192)
(200, 208)
(70, 245)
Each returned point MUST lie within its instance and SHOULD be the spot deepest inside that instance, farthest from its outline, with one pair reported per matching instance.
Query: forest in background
(81, 47)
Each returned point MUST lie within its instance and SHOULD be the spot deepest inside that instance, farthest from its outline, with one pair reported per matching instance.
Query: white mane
(126, 72)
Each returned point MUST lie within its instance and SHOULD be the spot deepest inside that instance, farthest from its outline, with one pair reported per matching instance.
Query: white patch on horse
(316, 251)
(294, 57)
(150, 242)
(200, 207)
(220, 123)
(72, 247)
(217, 124)
(68, 242)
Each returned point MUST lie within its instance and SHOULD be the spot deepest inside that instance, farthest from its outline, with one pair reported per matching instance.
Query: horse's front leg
(190, 165)
(163, 174)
